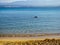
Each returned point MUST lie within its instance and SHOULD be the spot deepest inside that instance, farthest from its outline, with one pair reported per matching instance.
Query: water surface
(21, 20)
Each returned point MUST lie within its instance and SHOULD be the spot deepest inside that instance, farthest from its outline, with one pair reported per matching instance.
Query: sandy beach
(34, 37)
(37, 39)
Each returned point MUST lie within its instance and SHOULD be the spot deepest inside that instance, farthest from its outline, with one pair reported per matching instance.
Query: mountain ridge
(21, 4)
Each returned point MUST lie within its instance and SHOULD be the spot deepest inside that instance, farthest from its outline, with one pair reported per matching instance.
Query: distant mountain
(23, 4)
(16, 4)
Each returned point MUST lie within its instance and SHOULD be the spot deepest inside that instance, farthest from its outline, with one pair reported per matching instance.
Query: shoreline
(29, 35)
(47, 39)
(13, 39)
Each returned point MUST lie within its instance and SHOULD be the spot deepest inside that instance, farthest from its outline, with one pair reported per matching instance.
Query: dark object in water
(35, 16)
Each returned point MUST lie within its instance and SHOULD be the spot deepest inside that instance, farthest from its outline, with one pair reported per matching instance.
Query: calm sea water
(21, 20)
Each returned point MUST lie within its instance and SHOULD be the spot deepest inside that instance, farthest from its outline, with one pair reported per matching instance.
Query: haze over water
(21, 20)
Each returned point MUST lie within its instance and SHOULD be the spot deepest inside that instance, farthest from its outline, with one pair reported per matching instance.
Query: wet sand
(26, 38)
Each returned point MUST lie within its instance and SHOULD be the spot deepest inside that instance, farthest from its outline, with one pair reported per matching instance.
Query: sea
(21, 20)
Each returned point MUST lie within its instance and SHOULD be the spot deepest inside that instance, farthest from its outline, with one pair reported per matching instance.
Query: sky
(36, 2)
(9, 1)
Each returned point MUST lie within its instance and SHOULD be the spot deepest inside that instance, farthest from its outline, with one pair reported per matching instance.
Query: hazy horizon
(31, 2)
